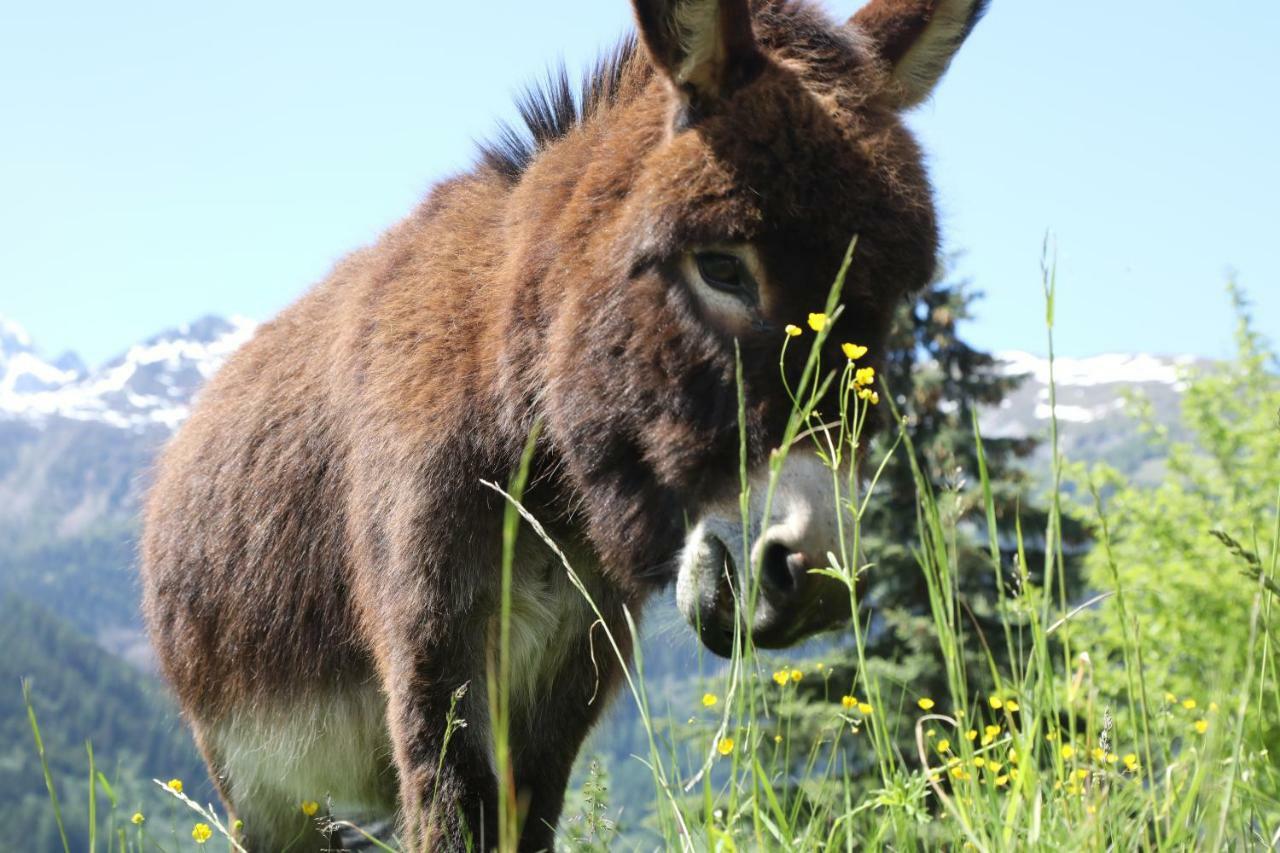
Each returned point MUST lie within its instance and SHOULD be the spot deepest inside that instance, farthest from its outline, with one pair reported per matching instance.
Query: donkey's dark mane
(550, 109)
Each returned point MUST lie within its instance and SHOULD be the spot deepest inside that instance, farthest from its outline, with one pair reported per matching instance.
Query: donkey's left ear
(705, 47)
(917, 40)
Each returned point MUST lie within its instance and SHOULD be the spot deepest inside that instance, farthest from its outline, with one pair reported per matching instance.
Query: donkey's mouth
(716, 611)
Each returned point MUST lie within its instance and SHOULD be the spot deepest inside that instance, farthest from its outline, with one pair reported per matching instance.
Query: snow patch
(1117, 368)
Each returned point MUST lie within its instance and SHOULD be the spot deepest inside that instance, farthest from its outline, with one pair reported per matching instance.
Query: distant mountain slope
(1097, 418)
(80, 693)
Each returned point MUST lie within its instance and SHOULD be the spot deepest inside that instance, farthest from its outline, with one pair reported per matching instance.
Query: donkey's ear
(917, 40)
(705, 47)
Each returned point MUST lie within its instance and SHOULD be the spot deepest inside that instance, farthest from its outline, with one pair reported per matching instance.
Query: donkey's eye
(723, 272)
(725, 280)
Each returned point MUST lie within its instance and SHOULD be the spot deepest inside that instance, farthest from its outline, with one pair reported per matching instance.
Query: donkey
(321, 560)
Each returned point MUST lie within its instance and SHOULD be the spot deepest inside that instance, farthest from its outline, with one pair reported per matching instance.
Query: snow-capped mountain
(149, 386)
(1097, 419)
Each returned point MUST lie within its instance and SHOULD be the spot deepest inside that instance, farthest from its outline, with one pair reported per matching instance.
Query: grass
(1040, 761)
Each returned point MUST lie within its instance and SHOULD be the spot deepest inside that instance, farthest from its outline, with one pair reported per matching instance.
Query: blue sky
(161, 160)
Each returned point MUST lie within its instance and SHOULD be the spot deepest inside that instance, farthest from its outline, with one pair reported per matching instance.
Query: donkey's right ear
(705, 47)
(917, 40)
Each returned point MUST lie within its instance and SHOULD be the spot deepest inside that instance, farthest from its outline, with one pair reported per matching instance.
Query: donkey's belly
(331, 748)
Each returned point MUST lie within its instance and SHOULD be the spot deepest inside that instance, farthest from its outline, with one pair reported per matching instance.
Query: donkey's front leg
(549, 732)
(448, 792)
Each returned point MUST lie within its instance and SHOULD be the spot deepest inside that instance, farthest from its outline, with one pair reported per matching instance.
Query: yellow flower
(1112, 758)
(970, 735)
(1011, 706)
(1170, 698)
(979, 762)
(1001, 781)
(725, 746)
(853, 352)
(871, 396)
(793, 331)
(1202, 726)
(1098, 753)
(310, 807)
(1189, 704)
(238, 825)
(994, 766)
(864, 709)
(817, 322)
(781, 677)
(137, 819)
(944, 745)
(864, 376)
(996, 703)
(777, 738)
(201, 833)
(174, 785)
(796, 675)
(1051, 735)
(931, 733)
(848, 702)
(709, 700)
(925, 704)
(1068, 751)
(1131, 762)
(1082, 774)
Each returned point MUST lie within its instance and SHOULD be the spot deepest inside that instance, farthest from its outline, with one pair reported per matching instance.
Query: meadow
(1136, 710)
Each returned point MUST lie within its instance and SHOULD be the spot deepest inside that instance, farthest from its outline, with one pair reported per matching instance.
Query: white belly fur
(334, 747)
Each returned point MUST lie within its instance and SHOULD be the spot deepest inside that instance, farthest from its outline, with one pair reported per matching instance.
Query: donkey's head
(706, 202)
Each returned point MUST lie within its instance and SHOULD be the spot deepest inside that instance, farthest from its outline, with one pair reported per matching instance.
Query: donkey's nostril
(775, 569)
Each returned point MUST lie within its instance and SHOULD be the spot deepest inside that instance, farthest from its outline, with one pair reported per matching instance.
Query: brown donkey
(321, 561)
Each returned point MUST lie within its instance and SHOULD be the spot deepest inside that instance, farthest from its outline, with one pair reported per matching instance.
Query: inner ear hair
(706, 48)
(917, 39)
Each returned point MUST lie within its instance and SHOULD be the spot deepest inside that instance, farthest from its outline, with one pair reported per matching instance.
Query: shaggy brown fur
(319, 523)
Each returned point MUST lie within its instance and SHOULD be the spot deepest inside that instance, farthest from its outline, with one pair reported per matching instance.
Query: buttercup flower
(709, 700)
(996, 703)
(310, 807)
(1068, 751)
(1189, 704)
(925, 704)
(817, 322)
(792, 331)
(796, 675)
(782, 677)
(1131, 762)
(848, 702)
(868, 394)
(864, 376)
(137, 819)
(1011, 706)
(1202, 726)
(201, 833)
(944, 745)
(970, 735)
(174, 785)
(864, 709)
(725, 746)
(853, 352)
